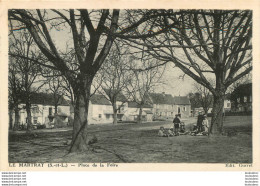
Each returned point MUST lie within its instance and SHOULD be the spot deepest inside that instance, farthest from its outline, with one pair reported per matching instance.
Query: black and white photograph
(130, 86)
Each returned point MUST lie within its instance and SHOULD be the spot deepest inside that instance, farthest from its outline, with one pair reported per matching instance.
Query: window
(50, 111)
(35, 110)
(245, 99)
(99, 116)
(250, 98)
(35, 119)
(184, 108)
(228, 105)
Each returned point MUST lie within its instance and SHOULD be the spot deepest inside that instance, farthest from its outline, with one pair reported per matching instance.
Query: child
(194, 130)
(170, 132)
(182, 128)
(176, 123)
(161, 132)
(205, 124)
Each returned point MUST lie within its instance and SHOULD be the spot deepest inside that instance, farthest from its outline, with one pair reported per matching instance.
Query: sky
(173, 81)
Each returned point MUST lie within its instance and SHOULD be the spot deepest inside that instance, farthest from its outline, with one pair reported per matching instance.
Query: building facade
(241, 98)
(133, 110)
(165, 106)
(43, 110)
(101, 110)
(183, 106)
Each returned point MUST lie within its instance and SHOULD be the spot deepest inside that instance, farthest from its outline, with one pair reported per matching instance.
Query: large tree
(93, 33)
(55, 84)
(113, 78)
(206, 44)
(143, 82)
(24, 73)
(203, 96)
(14, 94)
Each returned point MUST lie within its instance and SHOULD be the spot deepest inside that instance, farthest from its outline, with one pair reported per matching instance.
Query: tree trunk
(79, 137)
(219, 96)
(29, 116)
(16, 117)
(139, 121)
(82, 97)
(10, 119)
(114, 114)
(55, 109)
(205, 110)
(217, 115)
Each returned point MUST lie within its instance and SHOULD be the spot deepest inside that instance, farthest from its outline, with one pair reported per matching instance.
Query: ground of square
(132, 143)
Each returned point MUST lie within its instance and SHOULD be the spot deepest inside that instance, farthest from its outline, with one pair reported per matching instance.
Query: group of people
(178, 128)
(201, 128)
(165, 133)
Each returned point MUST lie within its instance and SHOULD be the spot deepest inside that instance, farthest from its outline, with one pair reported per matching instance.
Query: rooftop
(132, 104)
(98, 99)
(120, 96)
(181, 100)
(46, 99)
(162, 98)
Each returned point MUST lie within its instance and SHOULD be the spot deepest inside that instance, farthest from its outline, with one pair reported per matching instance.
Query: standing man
(176, 122)
(199, 122)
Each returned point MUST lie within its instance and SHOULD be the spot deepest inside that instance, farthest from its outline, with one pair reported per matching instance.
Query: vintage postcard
(127, 85)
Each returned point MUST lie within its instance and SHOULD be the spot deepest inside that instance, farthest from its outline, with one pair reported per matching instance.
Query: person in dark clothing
(199, 122)
(176, 122)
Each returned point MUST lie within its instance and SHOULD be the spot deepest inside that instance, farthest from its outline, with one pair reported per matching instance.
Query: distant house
(183, 105)
(226, 108)
(133, 109)
(227, 105)
(167, 106)
(241, 98)
(101, 110)
(197, 106)
(163, 105)
(43, 110)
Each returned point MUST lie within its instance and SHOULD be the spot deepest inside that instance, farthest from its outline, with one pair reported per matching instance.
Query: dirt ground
(127, 143)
